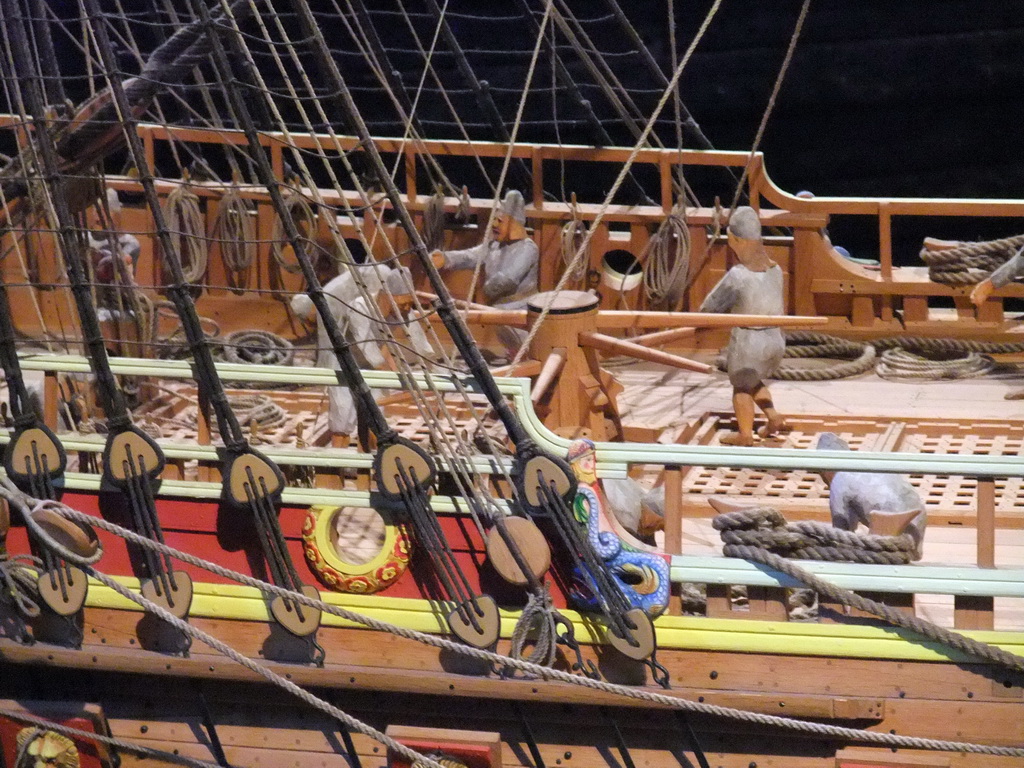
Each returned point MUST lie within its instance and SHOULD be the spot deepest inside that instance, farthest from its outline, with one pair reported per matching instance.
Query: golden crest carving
(48, 748)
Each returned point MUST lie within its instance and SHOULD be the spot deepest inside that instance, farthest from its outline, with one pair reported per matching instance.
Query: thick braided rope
(900, 363)
(623, 172)
(19, 583)
(986, 248)
(110, 741)
(547, 673)
(948, 638)
(301, 211)
(864, 363)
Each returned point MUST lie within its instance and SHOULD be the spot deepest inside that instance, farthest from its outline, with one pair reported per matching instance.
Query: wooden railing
(973, 585)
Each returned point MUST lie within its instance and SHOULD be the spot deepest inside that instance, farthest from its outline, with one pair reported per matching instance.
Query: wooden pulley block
(264, 473)
(31, 449)
(531, 543)
(546, 469)
(73, 536)
(63, 590)
(485, 611)
(131, 448)
(173, 593)
(414, 461)
(643, 634)
(300, 620)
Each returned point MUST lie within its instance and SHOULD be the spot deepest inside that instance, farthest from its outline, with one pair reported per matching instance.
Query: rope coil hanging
(574, 241)
(234, 230)
(301, 212)
(666, 260)
(433, 222)
(187, 231)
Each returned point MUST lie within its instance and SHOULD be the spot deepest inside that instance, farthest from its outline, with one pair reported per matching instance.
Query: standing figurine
(642, 575)
(510, 259)
(752, 287)
(358, 323)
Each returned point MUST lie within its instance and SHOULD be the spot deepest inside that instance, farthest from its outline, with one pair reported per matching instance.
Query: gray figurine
(510, 259)
(887, 504)
(752, 287)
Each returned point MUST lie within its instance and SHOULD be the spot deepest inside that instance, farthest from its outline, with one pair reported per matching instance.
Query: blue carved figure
(642, 576)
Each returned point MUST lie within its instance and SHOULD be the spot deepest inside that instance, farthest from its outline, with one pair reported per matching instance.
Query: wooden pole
(621, 347)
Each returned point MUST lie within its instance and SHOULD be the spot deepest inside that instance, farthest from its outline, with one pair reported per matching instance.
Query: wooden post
(410, 174)
(885, 240)
(674, 525)
(977, 611)
(986, 524)
(51, 399)
(537, 171)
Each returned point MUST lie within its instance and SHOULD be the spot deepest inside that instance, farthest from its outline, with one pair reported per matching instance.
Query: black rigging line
(393, 77)
(125, 444)
(688, 121)
(481, 89)
(601, 135)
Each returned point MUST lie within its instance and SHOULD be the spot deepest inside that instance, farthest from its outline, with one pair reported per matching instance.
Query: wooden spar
(553, 366)
(658, 338)
(622, 347)
(629, 319)
(624, 319)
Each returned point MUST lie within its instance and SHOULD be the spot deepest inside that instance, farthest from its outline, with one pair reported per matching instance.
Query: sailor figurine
(103, 255)
(510, 259)
(752, 287)
(358, 323)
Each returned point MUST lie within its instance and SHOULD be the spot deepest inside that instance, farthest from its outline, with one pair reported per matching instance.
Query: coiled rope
(666, 261)
(536, 624)
(110, 741)
(894, 357)
(301, 212)
(969, 263)
(819, 730)
(234, 230)
(766, 528)
(259, 347)
(188, 233)
(764, 516)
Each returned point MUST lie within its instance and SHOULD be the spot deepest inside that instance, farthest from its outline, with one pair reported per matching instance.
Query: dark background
(905, 99)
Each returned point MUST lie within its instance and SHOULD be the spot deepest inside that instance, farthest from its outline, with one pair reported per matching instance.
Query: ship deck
(963, 416)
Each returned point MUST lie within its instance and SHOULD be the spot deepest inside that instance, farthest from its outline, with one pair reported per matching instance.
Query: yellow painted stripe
(695, 633)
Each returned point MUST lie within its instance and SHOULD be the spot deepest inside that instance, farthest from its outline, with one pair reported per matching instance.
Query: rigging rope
(580, 254)
(546, 673)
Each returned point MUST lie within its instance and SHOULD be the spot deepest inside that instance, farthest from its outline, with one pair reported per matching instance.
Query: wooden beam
(621, 347)
(629, 319)
(553, 366)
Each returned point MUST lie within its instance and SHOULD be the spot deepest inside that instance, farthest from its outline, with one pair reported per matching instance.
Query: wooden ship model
(211, 556)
